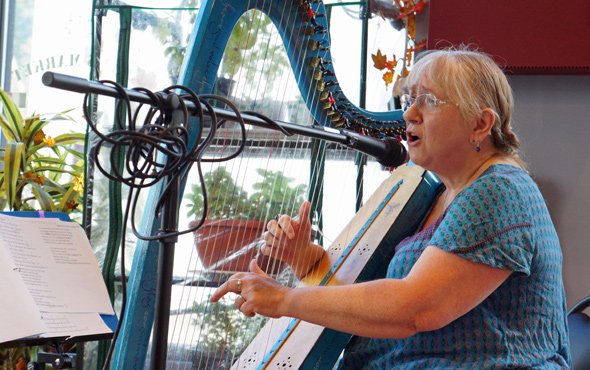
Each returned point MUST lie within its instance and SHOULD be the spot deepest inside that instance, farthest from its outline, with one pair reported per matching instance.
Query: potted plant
(229, 238)
(37, 172)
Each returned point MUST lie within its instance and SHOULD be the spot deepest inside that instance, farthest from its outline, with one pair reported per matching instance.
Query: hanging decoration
(407, 14)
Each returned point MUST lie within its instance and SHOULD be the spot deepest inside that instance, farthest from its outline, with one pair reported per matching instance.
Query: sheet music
(73, 324)
(16, 302)
(51, 279)
(56, 263)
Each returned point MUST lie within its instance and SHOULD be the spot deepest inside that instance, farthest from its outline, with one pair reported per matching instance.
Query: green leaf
(76, 153)
(56, 170)
(32, 126)
(13, 117)
(7, 129)
(45, 200)
(71, 138)
(12, 163)
(70, 196)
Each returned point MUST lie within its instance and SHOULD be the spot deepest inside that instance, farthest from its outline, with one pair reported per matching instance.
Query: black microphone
(388, 151)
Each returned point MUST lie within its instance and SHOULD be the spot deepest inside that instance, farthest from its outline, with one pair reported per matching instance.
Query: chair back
(579, 333)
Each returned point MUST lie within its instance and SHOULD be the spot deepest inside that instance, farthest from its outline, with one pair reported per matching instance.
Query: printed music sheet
(56, 288)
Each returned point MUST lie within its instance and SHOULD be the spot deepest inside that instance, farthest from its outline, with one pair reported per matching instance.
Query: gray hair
(475, 82)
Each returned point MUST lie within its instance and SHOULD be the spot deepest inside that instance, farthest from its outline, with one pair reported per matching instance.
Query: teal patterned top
(500, 220)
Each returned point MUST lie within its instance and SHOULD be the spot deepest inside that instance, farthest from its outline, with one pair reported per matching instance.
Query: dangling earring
(477, 146)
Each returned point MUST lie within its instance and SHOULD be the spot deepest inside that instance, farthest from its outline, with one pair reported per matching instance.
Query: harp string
(205, 360)
(239, 167)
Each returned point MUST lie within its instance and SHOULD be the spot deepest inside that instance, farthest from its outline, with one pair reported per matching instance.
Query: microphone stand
(169, 225)
(388, 152)
(169, 215)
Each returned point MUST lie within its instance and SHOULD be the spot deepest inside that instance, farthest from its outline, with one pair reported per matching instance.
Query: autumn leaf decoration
(407, 13)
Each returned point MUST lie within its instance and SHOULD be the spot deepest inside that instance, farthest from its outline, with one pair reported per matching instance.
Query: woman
(479, 285)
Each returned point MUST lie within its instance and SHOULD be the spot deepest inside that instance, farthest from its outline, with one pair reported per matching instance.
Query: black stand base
(57, 360)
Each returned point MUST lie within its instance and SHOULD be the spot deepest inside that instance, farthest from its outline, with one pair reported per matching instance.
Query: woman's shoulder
(504, 175)
(504, 186)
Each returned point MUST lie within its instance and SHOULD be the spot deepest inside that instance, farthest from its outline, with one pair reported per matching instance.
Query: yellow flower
(49, 141)
(79, 184)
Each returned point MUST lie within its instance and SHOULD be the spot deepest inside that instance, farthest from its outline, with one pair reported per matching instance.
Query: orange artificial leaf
(404, 72)
(411, 26)
(419, 6)
(379, 60)
(421, 45)
(388, 77)
(391, 64)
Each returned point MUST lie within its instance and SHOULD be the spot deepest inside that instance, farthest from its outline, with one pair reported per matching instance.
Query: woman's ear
(484, 124)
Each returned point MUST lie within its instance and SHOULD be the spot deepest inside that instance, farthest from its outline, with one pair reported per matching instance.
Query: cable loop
(152, 143)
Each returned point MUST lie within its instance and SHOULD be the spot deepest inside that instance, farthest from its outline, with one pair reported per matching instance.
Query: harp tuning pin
(315, 29)
(336, 116)
(316, 45)
(321, 86)
(339, 123)
(309, 31)
(314, 62)
(326, 105)
(324, 95)
(318, 75)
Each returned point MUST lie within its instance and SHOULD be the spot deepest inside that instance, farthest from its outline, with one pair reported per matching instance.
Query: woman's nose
(412, 114)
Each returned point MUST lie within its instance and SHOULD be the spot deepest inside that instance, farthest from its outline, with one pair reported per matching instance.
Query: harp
(303, 29)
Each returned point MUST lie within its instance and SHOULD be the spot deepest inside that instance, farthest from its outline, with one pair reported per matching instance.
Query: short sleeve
(489, 223)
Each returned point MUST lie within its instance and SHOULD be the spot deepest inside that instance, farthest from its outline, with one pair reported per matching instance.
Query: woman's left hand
(257, 292)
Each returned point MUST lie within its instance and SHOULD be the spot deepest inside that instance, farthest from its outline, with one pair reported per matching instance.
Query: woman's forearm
(367, 309)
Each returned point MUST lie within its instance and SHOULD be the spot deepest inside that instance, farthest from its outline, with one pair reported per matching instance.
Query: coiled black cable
(160, 149)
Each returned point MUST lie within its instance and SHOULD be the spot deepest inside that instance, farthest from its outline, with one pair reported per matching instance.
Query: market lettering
(42, 65)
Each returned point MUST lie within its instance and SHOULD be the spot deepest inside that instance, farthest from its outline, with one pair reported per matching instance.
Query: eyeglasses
(422, 101)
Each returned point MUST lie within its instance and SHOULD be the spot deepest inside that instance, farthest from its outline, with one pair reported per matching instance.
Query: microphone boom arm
(388, 152)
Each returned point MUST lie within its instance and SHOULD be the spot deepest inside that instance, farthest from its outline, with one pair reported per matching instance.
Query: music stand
(59, 360)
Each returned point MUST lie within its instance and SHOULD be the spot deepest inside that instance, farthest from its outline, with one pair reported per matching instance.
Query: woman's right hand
(289, 240)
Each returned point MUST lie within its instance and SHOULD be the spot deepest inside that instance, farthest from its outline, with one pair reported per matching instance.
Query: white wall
(553, 121)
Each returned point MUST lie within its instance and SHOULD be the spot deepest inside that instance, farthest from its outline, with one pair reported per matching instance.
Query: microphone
(388, 151)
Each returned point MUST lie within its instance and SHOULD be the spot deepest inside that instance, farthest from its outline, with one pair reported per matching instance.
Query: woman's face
(438, 135)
